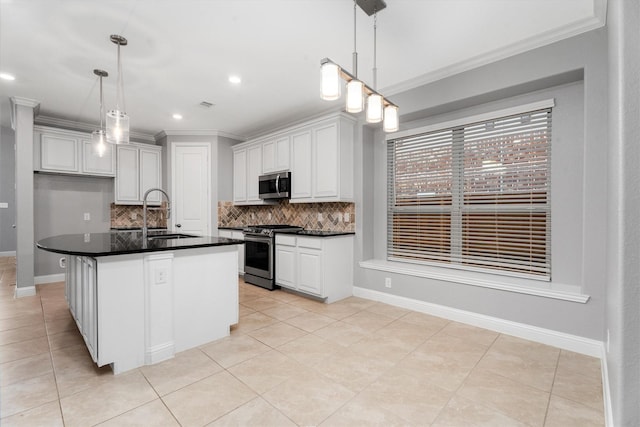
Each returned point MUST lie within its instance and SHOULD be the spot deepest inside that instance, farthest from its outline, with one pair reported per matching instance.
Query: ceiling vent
(206, 104)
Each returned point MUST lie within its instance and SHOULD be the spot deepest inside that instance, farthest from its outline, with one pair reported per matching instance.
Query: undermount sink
(171, 236)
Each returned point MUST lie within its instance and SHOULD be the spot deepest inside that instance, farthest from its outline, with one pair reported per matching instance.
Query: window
(474, 194)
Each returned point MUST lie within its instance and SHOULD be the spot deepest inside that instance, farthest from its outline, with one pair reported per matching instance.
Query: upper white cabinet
(240, 176)
(322, 166)
(276, 153)
(70, 152)
(318, 153)
(139, 168)
(92, 164)
(247, 167)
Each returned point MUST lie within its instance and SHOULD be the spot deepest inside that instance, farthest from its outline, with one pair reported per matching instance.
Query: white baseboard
(562, 340)
(159, 353)
(26, 291)
(8, 253)
(49, 278)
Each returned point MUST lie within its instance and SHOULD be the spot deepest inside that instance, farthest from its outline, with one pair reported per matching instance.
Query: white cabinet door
(276, 155)
(254, 170)
(285, 266)
(301, 166)
(239, 235)
(309, 263)
(96, 165)
(325, 161)
(269, 156)
(89, 304)
(150, 174)
(240, 176)
(59, 153)
(283, 154)
(127, 175)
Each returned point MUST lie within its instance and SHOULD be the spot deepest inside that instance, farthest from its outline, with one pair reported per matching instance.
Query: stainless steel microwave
(275, 186)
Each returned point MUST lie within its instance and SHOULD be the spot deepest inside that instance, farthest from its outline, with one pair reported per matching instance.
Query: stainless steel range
(259, 253)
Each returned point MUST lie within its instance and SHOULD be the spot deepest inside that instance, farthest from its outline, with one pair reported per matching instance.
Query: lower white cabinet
(81, 295)
(318, 266)
(238, 235)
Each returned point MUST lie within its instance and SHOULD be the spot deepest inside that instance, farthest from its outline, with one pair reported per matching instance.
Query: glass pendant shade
(330, 87)
(355, 96)
(99, 142)
(117, 127)
(390, 118)
(374, 108)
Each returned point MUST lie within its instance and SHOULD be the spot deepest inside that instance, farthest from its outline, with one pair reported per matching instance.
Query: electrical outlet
(339, 216)
(161, 276)
(87, 237)
(387, 282)
(320, 217)
(133, 216)
(87, 216)
(608, 340)
(269, 216)
(346, 217)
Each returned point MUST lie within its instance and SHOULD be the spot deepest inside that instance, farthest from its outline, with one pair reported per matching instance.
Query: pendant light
(378, 108)
(330, 86)
(117, 119)
(99, 137)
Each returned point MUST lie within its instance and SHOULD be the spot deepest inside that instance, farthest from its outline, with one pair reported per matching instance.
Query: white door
(190, 189)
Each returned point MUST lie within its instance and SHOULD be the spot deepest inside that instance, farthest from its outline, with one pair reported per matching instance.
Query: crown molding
(16, 101)
(198, 132)
(596, 21)
(86, 127)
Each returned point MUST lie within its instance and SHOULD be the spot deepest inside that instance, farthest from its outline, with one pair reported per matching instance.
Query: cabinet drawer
(283, 239)
(310, 242)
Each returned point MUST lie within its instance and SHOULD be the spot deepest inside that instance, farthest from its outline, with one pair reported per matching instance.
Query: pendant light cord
(120, 92)
(355, 51)
(375, 68)
(101, 105)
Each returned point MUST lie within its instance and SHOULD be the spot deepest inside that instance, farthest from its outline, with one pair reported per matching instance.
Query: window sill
(522, 286)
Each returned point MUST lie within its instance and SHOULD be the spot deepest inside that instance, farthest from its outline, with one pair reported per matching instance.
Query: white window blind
(474, 196)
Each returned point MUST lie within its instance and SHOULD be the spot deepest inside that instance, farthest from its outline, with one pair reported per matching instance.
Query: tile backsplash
(333, 216)
(130, 216)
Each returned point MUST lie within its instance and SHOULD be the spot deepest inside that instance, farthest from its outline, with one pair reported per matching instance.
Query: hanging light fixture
(117, 120)
(99, 137)
(377, 106)
(375, 102)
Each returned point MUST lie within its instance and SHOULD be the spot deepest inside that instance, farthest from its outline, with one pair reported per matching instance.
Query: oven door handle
(257, 238)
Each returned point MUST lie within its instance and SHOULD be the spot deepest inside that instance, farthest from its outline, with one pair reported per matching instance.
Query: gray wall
(59, 205)
(7, 190)
(623, 278)
(578, 181)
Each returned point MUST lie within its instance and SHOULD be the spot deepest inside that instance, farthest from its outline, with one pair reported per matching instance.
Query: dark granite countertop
(319, 233)
(125, 242)
(231, 228)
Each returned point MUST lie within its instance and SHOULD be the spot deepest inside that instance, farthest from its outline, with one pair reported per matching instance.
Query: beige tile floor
(292, 361)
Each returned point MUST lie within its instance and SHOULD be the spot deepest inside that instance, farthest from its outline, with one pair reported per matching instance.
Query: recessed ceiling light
(177, 116)
(6, 76)
(235, 79)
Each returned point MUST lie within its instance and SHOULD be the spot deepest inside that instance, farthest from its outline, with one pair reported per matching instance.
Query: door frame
(209, 147)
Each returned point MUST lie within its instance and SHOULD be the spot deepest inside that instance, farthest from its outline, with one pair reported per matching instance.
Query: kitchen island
(139, 301)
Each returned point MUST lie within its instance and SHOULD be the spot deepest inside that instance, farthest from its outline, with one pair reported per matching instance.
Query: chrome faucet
(144, 209)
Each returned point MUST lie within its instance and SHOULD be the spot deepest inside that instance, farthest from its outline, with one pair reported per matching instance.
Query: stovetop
(269, 229)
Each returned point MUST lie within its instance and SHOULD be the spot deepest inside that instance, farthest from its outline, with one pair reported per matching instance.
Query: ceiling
(181, 53)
